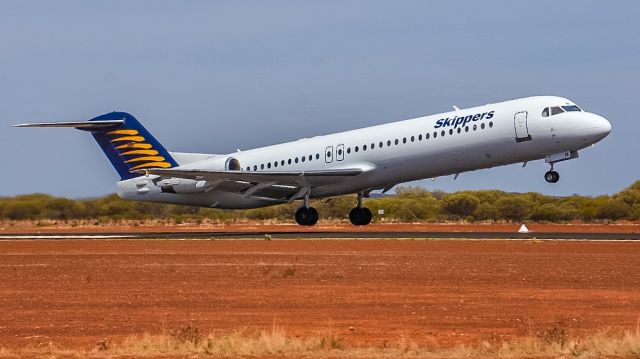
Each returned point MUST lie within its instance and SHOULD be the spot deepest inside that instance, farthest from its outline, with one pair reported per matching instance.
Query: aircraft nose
(599, 127)
(603, 125)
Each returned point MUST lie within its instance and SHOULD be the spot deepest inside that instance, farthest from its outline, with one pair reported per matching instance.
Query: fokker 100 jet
(357, 161)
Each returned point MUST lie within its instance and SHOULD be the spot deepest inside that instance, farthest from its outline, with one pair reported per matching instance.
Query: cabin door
(340, 152)
(521, 127)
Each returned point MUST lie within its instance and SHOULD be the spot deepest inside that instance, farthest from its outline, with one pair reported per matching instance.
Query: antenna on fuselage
(456, 108)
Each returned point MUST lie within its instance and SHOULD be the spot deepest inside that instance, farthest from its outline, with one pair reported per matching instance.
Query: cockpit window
(545, 112)
(556, 110)
(571, 108)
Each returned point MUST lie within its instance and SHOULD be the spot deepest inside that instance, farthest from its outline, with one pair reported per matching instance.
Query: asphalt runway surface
(331, 235)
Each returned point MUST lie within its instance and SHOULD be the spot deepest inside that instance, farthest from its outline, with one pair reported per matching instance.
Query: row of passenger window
(282, 162)
(356, 149)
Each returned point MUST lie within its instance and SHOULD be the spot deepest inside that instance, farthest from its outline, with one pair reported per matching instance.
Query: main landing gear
(552, 176)
(305, 215)
(360, 216)
(308, 216)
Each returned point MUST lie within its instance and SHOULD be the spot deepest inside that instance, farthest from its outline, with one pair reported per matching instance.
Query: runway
(213, 235)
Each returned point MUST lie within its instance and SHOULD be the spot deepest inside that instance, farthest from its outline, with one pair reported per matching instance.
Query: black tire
(313, 216)
(366, 216)
(306, 216)
(556, 177)
(549, 177)
(360, 216)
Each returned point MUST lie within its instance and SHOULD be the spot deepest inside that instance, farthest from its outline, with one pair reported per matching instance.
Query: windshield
(556, 110)
(571, 108)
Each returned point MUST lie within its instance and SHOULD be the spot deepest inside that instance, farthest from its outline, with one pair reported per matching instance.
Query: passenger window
(482, 126)
(275, 164)
(490, 124)
(404, 140)
(420, 137)
(545, 112)
(459, 129)
(310, 157)
(396, 141)
(296, 160)
(262, 166)
(355, 148)
(413, 138)
(339, 152)
(389, 143)
(556, 110)
(442, 133)
(282, 163)
(451, 131)
(380, 144)
(317, 156)
(269, 165)
(303, 158)
(255, 167)
(348, 149)
(364, 148)
(373, 145)
(435, 134)
(466, 128)
(289, 161)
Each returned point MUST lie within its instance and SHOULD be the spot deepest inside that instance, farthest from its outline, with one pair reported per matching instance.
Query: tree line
(409, 204)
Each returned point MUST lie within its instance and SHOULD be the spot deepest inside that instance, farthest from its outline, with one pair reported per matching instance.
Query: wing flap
(298, 179)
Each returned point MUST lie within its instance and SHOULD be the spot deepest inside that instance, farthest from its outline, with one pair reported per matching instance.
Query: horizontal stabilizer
(85, 125)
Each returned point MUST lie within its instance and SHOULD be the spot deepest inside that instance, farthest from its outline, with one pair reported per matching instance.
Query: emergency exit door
(521, 127)
(328, 154)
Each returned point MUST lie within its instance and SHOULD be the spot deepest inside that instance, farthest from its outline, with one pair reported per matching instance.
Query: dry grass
(276, 343)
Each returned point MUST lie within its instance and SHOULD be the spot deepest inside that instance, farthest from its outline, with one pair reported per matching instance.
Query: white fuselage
(431, 146)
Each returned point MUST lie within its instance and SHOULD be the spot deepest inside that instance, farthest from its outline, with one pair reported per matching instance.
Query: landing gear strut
(305, 215)
(360, 216)
(552, 176)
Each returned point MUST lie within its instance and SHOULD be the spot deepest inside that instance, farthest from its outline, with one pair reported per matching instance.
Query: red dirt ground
(73, 293)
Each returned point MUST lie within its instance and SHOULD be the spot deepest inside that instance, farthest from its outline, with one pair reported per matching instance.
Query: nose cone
(599, 127)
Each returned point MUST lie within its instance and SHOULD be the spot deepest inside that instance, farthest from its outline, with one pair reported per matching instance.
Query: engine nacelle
(185, 186)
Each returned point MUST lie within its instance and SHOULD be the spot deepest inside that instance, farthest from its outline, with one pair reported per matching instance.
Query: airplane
(357, 161)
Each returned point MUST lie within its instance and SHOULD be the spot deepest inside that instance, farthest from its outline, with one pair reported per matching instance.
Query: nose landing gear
(552, 176)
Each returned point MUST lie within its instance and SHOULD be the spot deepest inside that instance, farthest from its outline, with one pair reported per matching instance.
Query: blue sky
(213, 76)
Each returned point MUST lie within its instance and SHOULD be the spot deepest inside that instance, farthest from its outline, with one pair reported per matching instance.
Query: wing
(271, 184)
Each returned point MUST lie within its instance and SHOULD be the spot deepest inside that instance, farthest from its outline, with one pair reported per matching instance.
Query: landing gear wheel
(360, 216)
(306, 216)
(552, 176)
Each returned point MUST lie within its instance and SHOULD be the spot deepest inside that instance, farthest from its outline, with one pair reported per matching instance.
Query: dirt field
(371, 292)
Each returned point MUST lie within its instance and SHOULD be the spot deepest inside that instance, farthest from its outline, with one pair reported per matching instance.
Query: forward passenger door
(521, 126)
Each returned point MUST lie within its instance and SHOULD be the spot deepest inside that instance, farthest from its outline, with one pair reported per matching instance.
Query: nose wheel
(552, 176)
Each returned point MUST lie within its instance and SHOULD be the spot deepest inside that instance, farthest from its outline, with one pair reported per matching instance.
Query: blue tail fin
(129, 146)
